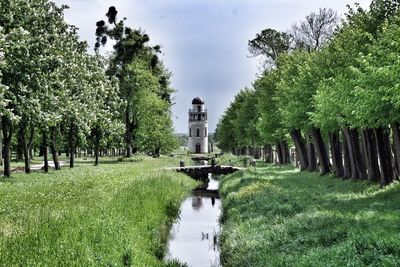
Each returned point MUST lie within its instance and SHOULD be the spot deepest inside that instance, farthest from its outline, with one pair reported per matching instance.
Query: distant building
(198, 127)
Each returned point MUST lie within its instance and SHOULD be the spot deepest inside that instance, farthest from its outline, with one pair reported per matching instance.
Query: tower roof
(197, 101)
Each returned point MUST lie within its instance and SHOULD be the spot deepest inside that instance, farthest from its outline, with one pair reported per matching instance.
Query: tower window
(190, 132)
(198, 132)
(205, 132)
(199, 108)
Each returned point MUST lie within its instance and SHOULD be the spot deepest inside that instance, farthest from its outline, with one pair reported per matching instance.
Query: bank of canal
(194, 235)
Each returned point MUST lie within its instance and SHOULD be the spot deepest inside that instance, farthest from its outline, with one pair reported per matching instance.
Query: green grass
(232, 160)
(278, 216)
(116, 214)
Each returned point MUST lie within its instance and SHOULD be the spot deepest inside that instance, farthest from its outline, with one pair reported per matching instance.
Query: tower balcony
(198, 116)
(193, 111)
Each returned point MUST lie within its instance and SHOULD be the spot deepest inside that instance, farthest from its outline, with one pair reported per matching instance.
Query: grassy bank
(277, 216)
(113, 215)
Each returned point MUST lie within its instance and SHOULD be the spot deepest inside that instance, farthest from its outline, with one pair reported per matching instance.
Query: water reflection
(194, 238)
(197, 202)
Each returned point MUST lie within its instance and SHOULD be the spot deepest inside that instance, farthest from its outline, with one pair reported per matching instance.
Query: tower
(198, 127)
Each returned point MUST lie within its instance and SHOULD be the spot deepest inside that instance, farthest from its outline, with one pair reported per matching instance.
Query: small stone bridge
(201, 172)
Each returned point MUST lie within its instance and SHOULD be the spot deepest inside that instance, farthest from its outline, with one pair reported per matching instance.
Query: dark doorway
(198, 148)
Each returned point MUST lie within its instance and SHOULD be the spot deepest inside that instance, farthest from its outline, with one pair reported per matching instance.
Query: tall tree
(269, 124)
(315, 30)
(129, 46)
(270, 44)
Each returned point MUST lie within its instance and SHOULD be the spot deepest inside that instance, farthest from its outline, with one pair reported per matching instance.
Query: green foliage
(295, 89)
(269, 124)
(350, 81)
(376, 93)
(285, 217)
(53, 90)
(247, 119)
(229, 130)
(114, 214)
(145, 91)
(270, 43)
(149, 112)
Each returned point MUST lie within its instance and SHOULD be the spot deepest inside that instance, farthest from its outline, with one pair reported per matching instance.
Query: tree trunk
(358, 156)
(7, 136)
(364, 156)
(279, 152)
(53, 148)
(20, 142)
(336, 152)
(300, 148)
(396, 147)
(71, 158)
(72, 145)
(1, 142)
(321, 150)
(371, 155)
(128, 138)
(24, 146)
(353, 145)
(286, 152)
(346, 157)
(30, 142)
(96, 146)
(269, 157)
(312, 161)
(45, 153)
(385, 156)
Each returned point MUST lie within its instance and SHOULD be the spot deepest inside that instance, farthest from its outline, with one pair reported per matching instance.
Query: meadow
(278, 216)
(116, 214)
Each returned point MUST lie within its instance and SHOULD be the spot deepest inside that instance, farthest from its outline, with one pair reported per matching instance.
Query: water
(193, 238)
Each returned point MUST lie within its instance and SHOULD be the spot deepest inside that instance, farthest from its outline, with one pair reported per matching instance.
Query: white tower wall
(198, 127)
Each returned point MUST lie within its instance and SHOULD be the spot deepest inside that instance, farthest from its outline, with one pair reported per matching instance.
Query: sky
(204, 42)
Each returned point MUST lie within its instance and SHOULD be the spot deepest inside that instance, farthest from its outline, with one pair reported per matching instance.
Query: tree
(150, 113)
(228, 129)
(296, 89)
(270, 44)
(24, 54)
(247, 120)
(315, 30)
(130, 45)
(2, 109)
(269, 124)
(105, 123)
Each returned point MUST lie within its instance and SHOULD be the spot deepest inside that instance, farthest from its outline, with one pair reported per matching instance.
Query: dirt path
(38, 167)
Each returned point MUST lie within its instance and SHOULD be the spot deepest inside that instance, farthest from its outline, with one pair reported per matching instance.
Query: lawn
(116, 214)
(278, 216)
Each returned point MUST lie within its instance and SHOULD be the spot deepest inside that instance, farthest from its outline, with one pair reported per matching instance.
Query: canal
(194, 235)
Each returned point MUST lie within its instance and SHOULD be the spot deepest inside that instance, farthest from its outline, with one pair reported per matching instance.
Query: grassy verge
(116, 214)
(232, 160)
(277, 216)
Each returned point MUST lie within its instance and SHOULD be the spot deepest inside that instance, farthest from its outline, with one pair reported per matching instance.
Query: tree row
(55, 96)
(332, 91)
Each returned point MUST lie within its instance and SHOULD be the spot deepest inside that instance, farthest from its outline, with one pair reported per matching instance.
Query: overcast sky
(204, 42)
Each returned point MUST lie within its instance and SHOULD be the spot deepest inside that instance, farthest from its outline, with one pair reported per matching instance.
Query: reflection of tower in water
(197, 202)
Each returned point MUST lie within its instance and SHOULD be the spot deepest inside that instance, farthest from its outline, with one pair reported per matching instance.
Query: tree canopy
(339, 86)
